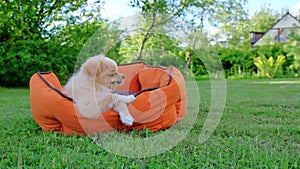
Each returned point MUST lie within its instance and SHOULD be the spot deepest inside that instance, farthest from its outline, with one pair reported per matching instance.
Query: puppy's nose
(123, 77)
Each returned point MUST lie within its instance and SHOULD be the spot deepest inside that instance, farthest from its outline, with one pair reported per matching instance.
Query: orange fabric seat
(161, 101)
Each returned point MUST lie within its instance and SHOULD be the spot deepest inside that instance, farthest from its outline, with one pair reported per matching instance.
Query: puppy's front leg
(123, 98)
(105, 102)
(125, 116)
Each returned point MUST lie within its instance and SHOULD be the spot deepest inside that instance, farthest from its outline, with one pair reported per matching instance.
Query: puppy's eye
(110, 75)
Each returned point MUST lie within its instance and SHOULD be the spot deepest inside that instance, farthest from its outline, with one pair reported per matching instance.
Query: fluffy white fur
(91, 89)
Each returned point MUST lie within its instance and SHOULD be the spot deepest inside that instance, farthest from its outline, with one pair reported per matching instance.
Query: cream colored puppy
(91, 89)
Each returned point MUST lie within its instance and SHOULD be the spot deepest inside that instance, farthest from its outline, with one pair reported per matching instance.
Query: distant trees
(194, 13)
(263, 19)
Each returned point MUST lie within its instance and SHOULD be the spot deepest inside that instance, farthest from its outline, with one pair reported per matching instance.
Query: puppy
(91, 89)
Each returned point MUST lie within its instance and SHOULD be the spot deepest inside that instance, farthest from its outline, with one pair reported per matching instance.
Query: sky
(292, 5)
(115, 9)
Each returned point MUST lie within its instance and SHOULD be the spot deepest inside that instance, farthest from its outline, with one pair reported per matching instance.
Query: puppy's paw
(124, 99)
(131, 98)
(127, 99)
(127, 120)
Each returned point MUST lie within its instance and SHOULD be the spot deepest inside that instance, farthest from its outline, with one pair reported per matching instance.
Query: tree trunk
(146, 37)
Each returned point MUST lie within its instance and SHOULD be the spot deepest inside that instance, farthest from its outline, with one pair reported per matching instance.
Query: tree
(153, 12)
(28, 36)
(21, 19)
(230, 19)
(148, 36)
(263, 19)
(193, 12)
(235, 26)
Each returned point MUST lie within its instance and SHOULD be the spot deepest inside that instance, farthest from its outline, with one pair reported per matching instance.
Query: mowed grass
(260, 128)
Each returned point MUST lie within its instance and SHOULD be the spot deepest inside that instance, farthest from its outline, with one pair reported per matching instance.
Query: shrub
(24, 57)
(269, 66)
(27, 57)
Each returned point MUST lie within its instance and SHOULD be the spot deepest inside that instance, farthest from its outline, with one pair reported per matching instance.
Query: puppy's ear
(92, 67)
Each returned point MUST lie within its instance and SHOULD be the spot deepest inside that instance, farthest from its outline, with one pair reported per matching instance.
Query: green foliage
(24, 19)
(292, 48)
(42, 35)
(26, 57)
(149, 36)
(236, 25)
(269, 66)
(58, 54)
(89, 39)
(160, 57)
(236, 61)
(232, 24)
(130, 45)
(194, 11)
(149, 6)
(263, 19)
(269, 50)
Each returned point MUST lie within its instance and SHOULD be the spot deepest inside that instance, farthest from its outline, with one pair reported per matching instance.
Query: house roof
(280, 30)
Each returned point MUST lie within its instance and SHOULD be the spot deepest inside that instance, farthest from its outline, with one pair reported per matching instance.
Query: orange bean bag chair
(161, 101)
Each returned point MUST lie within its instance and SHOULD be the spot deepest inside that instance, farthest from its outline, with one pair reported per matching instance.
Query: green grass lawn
(260, 128)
